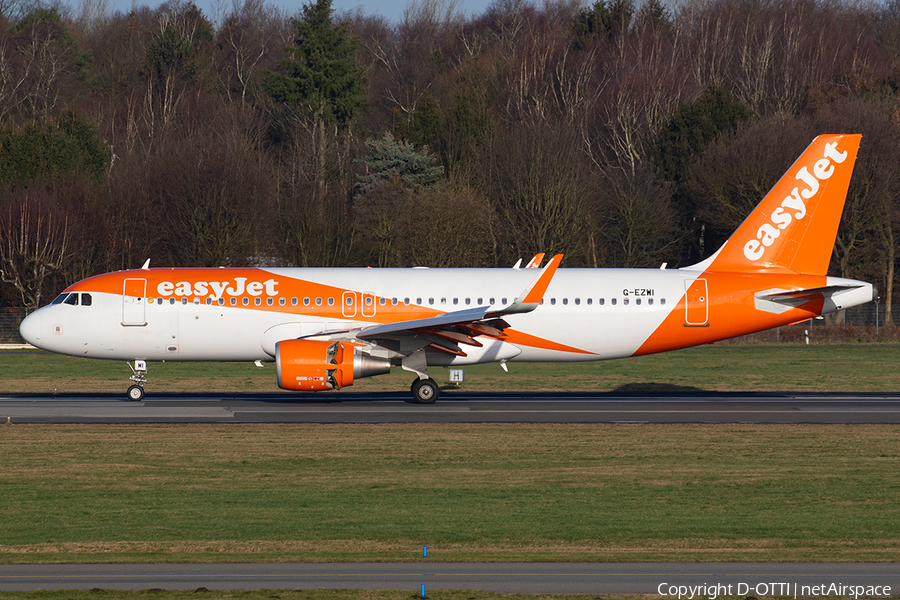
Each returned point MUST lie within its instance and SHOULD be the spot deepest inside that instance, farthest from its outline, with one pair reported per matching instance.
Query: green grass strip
(210, 493)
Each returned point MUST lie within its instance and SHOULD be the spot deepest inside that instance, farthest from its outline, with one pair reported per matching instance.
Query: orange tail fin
(794, 227)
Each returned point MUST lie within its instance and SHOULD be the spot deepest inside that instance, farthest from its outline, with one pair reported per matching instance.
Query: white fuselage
(586, 314)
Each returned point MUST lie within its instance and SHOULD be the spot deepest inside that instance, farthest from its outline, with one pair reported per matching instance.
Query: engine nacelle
(313, 365)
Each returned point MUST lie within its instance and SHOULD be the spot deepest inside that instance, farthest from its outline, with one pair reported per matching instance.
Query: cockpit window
(59, 299)
(86, 299)
(71, 299)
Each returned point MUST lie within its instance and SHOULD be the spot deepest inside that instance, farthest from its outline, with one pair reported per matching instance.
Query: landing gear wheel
(135, 393)
(425, 391)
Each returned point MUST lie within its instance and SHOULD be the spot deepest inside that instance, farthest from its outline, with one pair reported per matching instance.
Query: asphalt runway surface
(455, 407)
(662, 579)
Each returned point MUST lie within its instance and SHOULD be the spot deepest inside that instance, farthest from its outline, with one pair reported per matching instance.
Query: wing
(447, 331)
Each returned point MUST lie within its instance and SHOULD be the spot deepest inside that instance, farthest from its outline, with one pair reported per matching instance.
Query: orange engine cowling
(313, 365)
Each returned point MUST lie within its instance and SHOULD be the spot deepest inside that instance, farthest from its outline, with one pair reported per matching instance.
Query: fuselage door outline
(368, 305)
(134, 302)
(696, 303)
(348, 304)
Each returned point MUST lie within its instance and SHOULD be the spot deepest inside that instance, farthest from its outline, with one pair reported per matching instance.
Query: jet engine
(313, 365)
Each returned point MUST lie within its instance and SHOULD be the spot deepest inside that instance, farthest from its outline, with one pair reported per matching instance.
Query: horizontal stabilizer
(779, 301)
(813, 293)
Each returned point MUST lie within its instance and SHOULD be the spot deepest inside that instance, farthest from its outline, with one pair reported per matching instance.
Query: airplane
(326, 327)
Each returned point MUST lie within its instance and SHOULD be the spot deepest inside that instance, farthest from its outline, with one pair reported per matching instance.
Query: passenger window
(468, 301)
(492, 301)
(349, 300)
(368, 301)
(552, 302)
(590, 301)
(625, 301)
(504, 301)
(480, 301)
(650, 301)
(197, 301)
(382, 301)
(234, 301)
(443, 301)
(613, 301)
(331, 302)
(159, 300)
(208, 301)
(419, 301)
(172, 301)
(577, 301)
(257, 301)
(565, 301)
(318, 302)
(221, 301)
(662, 301)
(406, 301)
(602, 301)
(184, 301)
(431, 301)
(456, 301)
(638, 301)
(245, 301)
(86, 299)
(282, 301)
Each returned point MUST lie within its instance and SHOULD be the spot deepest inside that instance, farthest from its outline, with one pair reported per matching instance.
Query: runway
(660, 579)
(455, 407)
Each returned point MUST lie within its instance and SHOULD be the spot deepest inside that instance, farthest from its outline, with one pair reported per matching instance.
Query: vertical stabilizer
(794, 227)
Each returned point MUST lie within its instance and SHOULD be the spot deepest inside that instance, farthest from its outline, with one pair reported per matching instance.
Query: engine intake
(313, 365)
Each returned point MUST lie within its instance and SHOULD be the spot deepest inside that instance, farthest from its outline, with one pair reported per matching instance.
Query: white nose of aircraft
(30, 329)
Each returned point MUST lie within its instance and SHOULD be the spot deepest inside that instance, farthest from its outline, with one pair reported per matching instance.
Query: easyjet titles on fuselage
(238, 286)
(768, 232)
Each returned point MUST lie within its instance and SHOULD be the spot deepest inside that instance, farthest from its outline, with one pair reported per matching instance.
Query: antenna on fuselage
(146, 266)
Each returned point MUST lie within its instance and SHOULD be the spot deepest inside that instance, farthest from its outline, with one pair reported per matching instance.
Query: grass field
(851, 368)
(214, 493)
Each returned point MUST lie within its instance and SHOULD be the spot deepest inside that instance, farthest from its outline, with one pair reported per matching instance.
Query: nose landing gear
(136, 391)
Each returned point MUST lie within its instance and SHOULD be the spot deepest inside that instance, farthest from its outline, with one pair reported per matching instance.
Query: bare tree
(34, 244)
(248, 38)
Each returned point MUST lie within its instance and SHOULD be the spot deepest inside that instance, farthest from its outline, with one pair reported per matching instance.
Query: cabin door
(696, 303)
(134, 302)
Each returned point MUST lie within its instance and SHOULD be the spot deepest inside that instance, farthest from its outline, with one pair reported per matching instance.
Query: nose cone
(30, 329)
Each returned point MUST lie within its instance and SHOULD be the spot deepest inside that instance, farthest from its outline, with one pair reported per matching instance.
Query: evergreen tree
(388, 159)
(692, 127)
(321, 79)
(603, 20)
(321, 83)
(37, 153)
(685, 137)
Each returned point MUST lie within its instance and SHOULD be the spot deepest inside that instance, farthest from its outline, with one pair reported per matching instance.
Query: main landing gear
(425, 391)
(136, 391)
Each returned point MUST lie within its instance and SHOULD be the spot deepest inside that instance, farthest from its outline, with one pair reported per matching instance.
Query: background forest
(620, 134)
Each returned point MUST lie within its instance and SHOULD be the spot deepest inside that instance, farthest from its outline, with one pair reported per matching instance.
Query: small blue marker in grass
(425, 554)
(423, 590)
